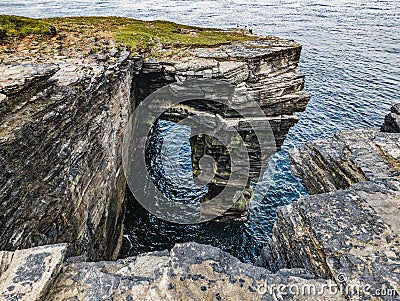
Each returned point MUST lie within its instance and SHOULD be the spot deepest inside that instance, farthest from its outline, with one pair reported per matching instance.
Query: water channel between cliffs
(145, 232)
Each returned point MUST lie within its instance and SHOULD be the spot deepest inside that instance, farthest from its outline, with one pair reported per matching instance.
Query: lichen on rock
(27, 275)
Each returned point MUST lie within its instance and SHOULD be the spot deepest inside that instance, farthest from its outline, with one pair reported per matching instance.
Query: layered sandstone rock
(351, 236)
(342, 245)
(263, 73)
(348, 158)
(61, 180)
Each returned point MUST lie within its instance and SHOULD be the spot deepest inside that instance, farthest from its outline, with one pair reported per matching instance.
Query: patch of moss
(21, 26)
(94, 50)
(241, 204)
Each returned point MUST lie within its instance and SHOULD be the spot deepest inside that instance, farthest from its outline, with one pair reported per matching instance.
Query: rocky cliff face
(63, 112)
(61, 178)
(62, 125)
(262, 72)
(348, 158)
(342, 245)
(352, 233)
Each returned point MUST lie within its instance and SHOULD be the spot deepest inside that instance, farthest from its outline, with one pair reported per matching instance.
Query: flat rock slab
(27, 274)
(189, 271)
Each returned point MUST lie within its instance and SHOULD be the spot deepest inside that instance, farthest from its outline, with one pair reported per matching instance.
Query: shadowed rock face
(392, 120)
(61, 178)
(351, 234)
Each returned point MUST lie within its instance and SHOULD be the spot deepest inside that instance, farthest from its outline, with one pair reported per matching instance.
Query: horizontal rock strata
(348, 158)
(263, 72)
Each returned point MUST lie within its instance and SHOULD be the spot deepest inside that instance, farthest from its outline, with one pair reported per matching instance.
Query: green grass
(20, 26)
(138, 36)
(145, 35)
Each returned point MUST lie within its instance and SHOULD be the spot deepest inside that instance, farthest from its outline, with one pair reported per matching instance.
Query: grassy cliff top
(93, 34)
(19, 26)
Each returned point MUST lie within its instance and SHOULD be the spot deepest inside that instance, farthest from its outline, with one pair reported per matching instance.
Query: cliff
(263, 73)
(342, 245)
(62, 178)
(349, 229)
(67, 86)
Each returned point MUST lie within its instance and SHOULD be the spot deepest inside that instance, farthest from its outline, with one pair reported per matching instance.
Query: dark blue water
(351, 58)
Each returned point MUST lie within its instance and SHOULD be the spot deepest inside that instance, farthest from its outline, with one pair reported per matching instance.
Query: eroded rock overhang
(263, 72)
